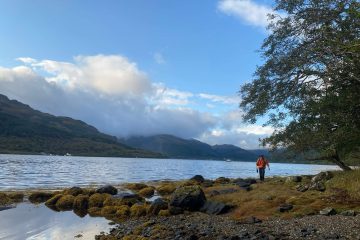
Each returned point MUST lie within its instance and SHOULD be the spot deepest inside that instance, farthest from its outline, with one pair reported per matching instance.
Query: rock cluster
(317, 182)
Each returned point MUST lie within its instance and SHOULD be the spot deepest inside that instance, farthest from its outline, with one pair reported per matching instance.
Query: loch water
(28, 221)
(32, 171)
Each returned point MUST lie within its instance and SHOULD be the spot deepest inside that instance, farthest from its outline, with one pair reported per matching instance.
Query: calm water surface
(25, 171)
(31, 222)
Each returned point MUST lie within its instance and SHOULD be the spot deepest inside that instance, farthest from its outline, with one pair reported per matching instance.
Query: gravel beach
(203, 226)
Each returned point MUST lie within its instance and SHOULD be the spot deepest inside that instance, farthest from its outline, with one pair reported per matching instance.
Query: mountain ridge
(25, 130)
(176, 147)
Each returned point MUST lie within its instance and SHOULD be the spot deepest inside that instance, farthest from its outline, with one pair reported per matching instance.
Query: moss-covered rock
(136, 186)
(166, 189)
(52, 201)
(97, 199)
(73, 191)
(4, 199)
(66, 202)
(147, 192)
(123, 211)
(107, 189)
(81, 202)
(40, 197)
(89, 191)
(138, 210)
(156, 206)
(108, 210)
(190, 198)
(94, 211)
(16, 197)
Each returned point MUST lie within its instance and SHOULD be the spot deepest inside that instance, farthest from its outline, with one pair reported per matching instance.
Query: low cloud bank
(113, 94)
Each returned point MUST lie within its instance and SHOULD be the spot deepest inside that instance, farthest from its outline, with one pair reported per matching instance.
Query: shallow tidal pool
(28, 221)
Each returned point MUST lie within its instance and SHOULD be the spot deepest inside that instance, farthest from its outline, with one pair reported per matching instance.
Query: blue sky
(175, 64)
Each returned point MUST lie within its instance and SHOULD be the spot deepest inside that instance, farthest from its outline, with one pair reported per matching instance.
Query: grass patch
(349, 181)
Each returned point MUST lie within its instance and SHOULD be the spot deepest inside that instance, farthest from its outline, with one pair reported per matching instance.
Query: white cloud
(111, 75)
(114, 95)
(255, 129)
(220, 99)
(26, 60)
(159, 58)
(165, 97)
(246, 10)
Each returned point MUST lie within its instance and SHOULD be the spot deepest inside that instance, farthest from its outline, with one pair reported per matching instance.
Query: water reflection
(19, 171)
(28, 221)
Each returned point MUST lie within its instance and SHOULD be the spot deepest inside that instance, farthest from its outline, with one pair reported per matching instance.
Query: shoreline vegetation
(236, 208)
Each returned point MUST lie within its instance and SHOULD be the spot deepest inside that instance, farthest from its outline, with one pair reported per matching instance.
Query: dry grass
(349, 181)
(265, 198)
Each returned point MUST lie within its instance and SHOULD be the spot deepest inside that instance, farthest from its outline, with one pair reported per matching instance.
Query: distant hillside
(176, 147)
(28, 131)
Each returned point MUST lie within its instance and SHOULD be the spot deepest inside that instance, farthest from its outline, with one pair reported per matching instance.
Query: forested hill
(28, 131)
(176, 147)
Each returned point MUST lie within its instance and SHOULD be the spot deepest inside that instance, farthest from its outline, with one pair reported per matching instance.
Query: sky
(137, 67)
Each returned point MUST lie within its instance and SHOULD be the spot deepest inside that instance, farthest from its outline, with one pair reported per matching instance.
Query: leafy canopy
(309, 84)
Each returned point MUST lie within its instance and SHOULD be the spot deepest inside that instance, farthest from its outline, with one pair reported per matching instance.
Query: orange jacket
(262, 163)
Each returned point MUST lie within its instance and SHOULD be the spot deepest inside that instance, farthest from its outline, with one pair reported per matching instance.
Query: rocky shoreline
(311, 207)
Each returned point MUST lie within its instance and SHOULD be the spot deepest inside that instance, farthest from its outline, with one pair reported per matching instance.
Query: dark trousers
(262, 173)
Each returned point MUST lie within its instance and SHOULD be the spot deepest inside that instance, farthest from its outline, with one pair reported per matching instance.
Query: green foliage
(309, 84)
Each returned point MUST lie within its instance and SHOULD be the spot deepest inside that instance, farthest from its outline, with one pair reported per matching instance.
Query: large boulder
(190, 198)
(107, 189)
(211, 207)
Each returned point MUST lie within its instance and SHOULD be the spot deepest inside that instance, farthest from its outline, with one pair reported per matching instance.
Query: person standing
(261, 164)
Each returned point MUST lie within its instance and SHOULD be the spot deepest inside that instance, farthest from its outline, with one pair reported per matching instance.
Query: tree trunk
(336, 159)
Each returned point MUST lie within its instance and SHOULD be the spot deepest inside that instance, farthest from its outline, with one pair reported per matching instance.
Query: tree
(309, 83)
